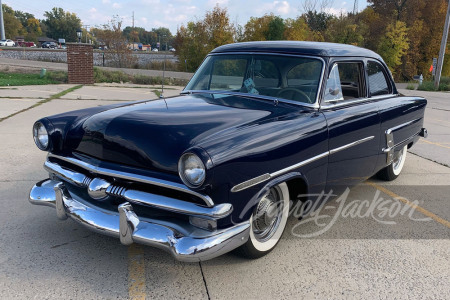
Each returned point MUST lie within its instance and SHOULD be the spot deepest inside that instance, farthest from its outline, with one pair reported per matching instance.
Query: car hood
(154, 134)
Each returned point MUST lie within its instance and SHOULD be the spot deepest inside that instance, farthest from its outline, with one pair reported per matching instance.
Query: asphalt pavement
(377, 256)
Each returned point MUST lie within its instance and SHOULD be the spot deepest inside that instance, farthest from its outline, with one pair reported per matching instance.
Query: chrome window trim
(359, 100)
(134, 177)
(262, 178)
(314, 105)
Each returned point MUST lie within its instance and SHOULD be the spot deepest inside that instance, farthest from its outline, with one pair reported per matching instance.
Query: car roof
(297, 47)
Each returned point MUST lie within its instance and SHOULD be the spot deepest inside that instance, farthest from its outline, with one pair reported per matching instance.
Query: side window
(377, 80)
(345, 82)
(333, 90)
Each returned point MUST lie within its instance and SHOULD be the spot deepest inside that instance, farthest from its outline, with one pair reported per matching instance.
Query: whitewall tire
(267, 223)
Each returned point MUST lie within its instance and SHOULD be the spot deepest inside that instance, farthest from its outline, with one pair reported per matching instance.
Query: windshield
(293, 78)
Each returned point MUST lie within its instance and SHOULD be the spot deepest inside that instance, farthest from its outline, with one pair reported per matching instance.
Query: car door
(401, 117)
(353, 124)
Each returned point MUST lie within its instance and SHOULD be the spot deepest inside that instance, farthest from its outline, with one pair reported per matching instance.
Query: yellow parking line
(409, 203)
(438, 121)
(136, 272)
(436, 144)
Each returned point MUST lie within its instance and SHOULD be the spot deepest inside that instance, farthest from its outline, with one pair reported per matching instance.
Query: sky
(170, 13)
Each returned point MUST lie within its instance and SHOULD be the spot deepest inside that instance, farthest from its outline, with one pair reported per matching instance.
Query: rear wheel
(267, 223)
(392, 171)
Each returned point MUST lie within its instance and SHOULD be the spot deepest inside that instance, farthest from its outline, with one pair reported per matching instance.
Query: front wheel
(392, 171)
(267, 223)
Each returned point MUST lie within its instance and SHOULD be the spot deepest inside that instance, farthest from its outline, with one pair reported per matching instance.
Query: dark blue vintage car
(216, 168)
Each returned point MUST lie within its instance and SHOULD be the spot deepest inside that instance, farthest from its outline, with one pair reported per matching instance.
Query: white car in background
(9, 43)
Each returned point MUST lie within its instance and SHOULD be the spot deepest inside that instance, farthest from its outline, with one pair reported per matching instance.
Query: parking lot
(398, 255)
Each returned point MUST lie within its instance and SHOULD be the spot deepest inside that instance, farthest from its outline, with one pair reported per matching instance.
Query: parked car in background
(155, 50)
(50, 45)
(172, 50)
(26, 44)
(8, 43)
(260, 126)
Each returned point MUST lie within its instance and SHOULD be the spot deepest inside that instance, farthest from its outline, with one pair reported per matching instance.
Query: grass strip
(53, 97)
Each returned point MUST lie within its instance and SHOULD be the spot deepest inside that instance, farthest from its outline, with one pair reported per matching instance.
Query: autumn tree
(33, 30)
(344, 30)
(195, 40)
(394, 44)
(117, 52)
(13, 27)
(297, 30)
(256, 29)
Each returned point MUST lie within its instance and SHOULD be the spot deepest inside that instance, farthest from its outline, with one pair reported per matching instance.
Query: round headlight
(40, 136)
(191, 170)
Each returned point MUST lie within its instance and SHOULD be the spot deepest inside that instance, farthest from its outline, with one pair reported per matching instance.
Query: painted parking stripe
(409, 203)
(136, 272)
(436, 144)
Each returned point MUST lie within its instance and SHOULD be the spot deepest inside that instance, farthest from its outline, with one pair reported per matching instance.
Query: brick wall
(80, 63)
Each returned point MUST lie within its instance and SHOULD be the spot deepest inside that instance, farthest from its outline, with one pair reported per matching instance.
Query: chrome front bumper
(130, 228)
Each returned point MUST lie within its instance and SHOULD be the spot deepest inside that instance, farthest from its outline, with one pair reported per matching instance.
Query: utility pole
(132, 26)
(355, 7)
(2, 24)
(440, 61)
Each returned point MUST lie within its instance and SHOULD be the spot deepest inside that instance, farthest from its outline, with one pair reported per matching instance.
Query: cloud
(116, 5)
(277, 8)
(106, 1)
(335, 11)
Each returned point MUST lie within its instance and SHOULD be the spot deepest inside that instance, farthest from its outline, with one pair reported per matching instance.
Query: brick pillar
(80, 63)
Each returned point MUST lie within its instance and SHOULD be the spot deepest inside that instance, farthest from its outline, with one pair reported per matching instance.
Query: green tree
(23, 17)
(61, 24)
(256, 29)
(275, 30)
(394, 44)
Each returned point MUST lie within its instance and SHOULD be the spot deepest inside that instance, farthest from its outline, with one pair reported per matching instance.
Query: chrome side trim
(134, 177)
(300, 164)
(402, 125)
(130, 228)
(332, 151)
(257, 180)
(140, 197)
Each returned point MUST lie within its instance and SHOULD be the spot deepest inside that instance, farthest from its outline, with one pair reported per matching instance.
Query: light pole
(440, 61)
(164, 68)
(79, 34)
(2, 25)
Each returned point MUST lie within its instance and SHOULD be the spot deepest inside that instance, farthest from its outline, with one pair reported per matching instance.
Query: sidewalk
(21, 64)
(14, 99)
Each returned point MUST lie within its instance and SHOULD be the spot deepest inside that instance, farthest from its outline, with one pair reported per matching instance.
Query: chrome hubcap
(398, 160)
(268, 214)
